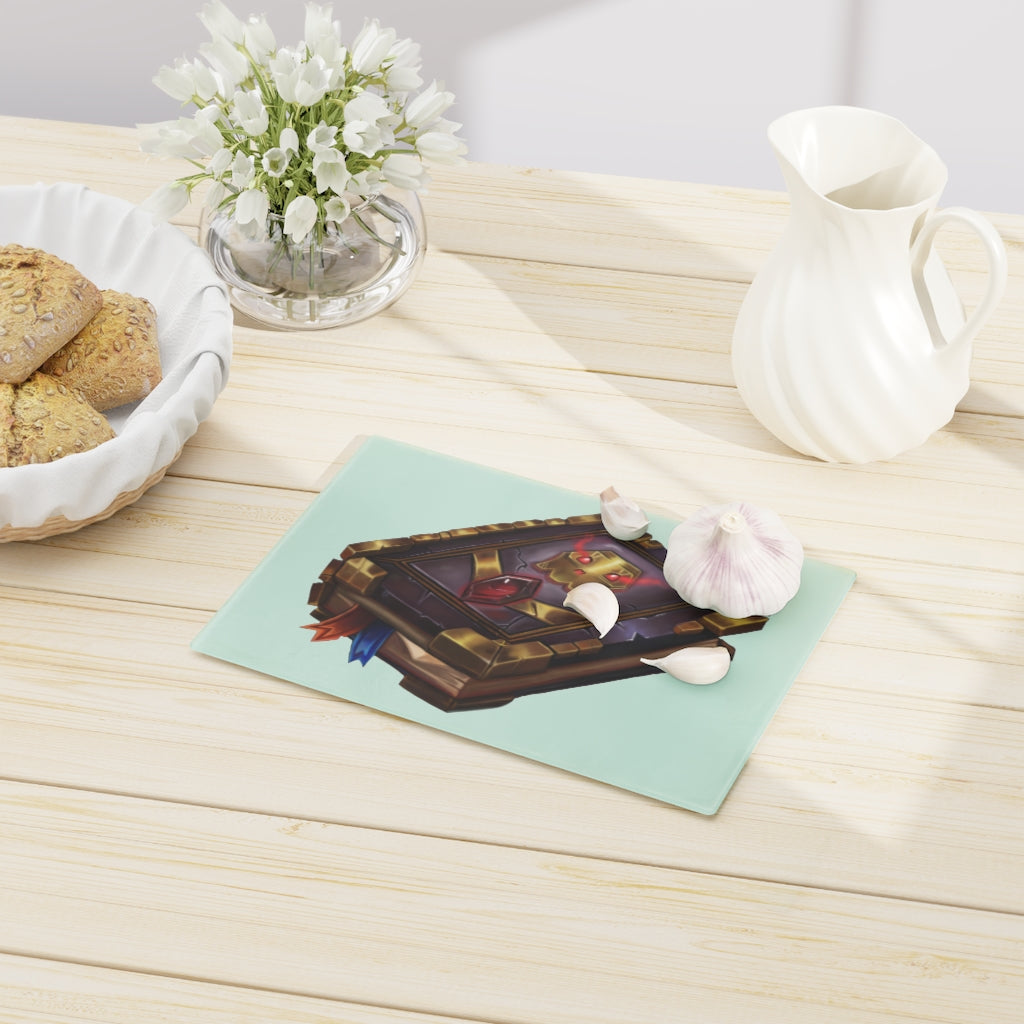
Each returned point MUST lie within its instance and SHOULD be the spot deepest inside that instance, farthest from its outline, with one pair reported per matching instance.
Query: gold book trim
(331, 569)
(481, 657)
(369, 546)
(548, 613)
(486, 564)
(361, 575)
(686, 628)
(722, 625)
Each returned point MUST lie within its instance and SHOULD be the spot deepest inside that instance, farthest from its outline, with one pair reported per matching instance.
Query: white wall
(679, 89)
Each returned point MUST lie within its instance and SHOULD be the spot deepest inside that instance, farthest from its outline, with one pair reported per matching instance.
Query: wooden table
(184, 840)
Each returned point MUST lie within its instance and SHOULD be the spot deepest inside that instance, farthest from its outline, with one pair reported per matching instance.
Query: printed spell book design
(473, 618)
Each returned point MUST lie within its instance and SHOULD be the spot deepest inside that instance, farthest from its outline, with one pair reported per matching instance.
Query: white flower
(252, 206)
(207, 139)
(365, 129)
(176, 82)
(299, 218)
(428, 106)
(205, 81)
(285, 67)
(323, 36)
(371, 46)
(337, 208)
(289, 141)
(318, 24)
(258, 37)
(242, 170)
(166, 138)
(221, 23)
(364, 138)
(405, 170)
(221, 162)
(403, 75)
(368, 106)
(330, 171)
(313, 82)
(440, 148)
(366, 182)
(215, 194)
(321, 137)
(167, 200)
(187, 137)
(249, 112)
(227, 60)
(299, 81)
(275, 161)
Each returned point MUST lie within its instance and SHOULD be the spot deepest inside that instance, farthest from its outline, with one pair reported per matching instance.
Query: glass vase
(352, 271)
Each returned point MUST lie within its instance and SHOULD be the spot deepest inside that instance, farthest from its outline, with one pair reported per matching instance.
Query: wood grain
(54, 992)
(197, 730)
(183, 839)
(355, 914)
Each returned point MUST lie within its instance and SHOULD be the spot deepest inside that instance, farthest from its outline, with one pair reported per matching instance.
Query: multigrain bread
(44, 302)
(42, 420)
(6, 423)
(115, 358)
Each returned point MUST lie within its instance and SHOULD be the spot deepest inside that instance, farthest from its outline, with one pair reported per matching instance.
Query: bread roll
(44, 302)
(6, 422)
(115, 358)
(42, 420)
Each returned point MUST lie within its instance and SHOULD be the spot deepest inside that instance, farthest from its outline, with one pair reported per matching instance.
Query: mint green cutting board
(653, 735)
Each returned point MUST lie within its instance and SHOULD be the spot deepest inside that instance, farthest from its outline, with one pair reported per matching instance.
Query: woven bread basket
(60, 524)
(119, 246)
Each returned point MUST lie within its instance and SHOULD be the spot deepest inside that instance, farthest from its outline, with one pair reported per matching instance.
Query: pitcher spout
(857, 159)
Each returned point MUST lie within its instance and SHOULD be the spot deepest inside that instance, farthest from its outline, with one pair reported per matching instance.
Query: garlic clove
(736, 559)
(696, 665)
(622, 517)
(596, 603)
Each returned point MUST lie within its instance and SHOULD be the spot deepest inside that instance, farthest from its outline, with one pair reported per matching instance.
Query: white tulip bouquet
(306, 132)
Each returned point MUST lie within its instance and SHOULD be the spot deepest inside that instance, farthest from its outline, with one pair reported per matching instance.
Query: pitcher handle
(995, 250)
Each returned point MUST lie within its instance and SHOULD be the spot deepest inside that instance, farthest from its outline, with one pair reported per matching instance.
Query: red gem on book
(500, 589)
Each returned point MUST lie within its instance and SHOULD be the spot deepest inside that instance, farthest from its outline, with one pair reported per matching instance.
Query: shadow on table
(1001, 430)
(556, 278)
(920, 778)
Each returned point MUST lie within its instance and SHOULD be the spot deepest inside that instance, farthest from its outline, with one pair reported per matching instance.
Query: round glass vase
(352, 271)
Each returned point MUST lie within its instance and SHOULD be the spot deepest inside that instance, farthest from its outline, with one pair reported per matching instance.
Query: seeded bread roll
(115, 358)
(44, 302)
(41, 420)
(6, 422)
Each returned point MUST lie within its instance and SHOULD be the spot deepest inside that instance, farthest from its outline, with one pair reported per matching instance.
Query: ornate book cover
(475, 616)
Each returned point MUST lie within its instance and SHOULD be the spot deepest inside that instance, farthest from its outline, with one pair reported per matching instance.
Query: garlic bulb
(622, 517)
(736, 559)
(596, 603)
(697, 665)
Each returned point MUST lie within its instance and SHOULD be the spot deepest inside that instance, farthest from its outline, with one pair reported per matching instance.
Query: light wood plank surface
(182, 839)
(54, 992)
(890, 782)
(350, 913)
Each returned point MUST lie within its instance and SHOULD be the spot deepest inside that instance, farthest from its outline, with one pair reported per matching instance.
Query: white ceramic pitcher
(851, 344)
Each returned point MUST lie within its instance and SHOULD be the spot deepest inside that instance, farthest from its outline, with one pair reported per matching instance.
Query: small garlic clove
(696, 665)
(596, 603)
(622, 517)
